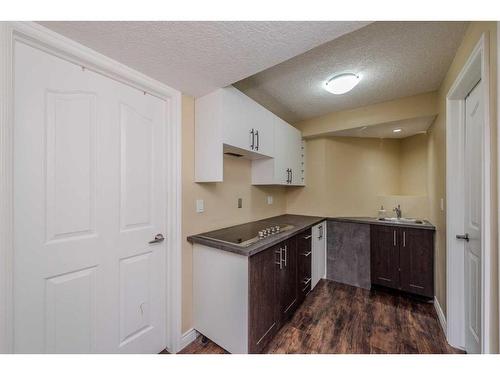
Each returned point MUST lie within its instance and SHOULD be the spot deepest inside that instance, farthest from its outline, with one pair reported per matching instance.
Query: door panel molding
(80, 139)
(476, 68)
(44, 39)
(57, 327)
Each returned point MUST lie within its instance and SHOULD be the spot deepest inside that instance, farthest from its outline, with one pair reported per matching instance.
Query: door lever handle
(463, 237)
(158, 238)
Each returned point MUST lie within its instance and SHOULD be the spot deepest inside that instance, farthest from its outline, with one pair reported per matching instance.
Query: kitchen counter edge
(301, 223)
(374, 221)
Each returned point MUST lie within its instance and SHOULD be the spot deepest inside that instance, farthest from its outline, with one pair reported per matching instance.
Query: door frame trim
(58, 45)
(477, 67)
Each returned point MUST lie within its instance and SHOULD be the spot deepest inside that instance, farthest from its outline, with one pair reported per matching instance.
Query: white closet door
(88, 196)
(474, 120)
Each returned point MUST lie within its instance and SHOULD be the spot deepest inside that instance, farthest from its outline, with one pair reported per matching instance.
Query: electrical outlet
(200, 205)
(240, 202)
(269, 199)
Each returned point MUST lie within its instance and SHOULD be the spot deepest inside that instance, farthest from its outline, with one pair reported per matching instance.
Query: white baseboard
(440, 314)
(188, 337)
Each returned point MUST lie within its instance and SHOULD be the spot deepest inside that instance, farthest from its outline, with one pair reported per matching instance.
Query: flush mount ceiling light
(397, 130)
(342, 83)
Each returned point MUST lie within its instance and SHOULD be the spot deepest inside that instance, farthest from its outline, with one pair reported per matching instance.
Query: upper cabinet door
(286, 166)
(281, 152)
(263, 127)
(245, 123)
(236, 118)
(295, 156)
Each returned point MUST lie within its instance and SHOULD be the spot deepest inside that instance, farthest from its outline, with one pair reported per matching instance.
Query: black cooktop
(246, 234)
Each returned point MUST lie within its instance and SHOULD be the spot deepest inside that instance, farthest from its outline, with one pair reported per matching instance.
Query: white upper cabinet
(286, 167)
(227, 120)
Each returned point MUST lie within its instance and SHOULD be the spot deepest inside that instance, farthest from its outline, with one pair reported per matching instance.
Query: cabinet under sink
(403, 258)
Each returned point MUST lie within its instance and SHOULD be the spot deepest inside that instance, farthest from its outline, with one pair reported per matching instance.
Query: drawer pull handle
(305, 288)
(306, 254)
(307, 237)
(306, 281)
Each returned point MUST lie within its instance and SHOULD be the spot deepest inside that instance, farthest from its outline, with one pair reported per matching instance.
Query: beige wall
(345, 176)
(220, 202)
(437, 164)
(413, 165)
(355, 176)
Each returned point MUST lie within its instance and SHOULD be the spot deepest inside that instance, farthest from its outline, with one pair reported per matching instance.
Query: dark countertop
(300, 223)
(371, 220)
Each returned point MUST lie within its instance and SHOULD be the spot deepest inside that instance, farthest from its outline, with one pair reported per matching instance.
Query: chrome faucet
(398, 211)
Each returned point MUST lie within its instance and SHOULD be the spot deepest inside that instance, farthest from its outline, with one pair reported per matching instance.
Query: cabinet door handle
(286, 254)
(279, 263)
(394, 238)
(404, 238)
(291, 175)
(252, 135)
(307, 254)
(307, 237)
(258, 141)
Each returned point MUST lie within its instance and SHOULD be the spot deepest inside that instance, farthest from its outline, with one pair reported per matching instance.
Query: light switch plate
(269, 199)
(240, 202)
(200, 205)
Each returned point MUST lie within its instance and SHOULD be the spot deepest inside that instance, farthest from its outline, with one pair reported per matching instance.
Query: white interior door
(89, 194)
(474, 118)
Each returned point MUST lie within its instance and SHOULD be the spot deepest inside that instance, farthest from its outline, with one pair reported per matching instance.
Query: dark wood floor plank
(337, 318)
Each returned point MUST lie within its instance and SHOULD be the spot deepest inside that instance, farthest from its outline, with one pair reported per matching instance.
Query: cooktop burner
(247, 234)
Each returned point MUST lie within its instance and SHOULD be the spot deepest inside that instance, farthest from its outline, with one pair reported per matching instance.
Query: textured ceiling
(409, 127)
(395, 59)
(199, 57)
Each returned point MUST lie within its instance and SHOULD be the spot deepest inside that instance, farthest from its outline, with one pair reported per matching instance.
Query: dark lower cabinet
(402, 258)
(384, 255)
(416, 254)
(263, 314)
(275, 288)
(287, 278)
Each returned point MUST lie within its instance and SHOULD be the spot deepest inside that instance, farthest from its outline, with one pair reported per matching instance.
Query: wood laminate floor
(338, 318)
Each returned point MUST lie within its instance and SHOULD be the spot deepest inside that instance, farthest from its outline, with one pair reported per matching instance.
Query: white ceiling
(409, 127)
(199, 57)
(395, 59)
